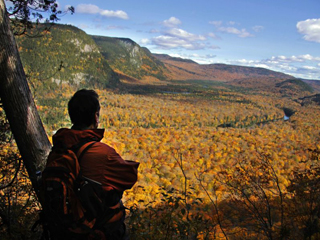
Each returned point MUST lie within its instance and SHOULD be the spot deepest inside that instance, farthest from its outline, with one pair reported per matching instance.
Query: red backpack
(71, 202)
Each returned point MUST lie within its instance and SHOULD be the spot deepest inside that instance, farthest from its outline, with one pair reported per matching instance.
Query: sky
(281, 35)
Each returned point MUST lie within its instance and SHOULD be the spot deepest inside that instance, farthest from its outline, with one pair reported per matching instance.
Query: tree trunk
(18, 103)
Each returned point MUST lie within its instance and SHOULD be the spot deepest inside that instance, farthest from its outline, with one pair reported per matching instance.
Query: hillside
(128, 58)
(291, 87)
(65, 55)
(183, 69)
(309, 100)
(315, 84)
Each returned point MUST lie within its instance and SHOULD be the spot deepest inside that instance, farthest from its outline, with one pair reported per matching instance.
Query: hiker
(100, 163)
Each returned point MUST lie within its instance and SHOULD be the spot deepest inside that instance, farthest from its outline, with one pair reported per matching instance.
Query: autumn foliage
(215, 164)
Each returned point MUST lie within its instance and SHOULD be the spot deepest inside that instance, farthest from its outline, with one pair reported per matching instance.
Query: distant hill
(315, 84)
(290, 86)
(184, 69)
(65, 55)
(313, 99)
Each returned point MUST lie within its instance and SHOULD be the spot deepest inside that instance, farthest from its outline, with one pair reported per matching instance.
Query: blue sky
(281, 35)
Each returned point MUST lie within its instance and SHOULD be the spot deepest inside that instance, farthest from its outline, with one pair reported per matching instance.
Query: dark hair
(82, 108)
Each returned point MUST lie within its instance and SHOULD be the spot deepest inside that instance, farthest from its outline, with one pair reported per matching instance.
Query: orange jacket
(100, 162)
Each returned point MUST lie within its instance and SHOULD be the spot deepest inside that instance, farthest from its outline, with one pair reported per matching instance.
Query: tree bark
(18, 103)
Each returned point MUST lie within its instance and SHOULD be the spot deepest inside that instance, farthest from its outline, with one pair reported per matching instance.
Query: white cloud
(229, 30)
(205, 59)
(308, 72)
(169, 42)
(310, 28)
(116, 14)
(214, 47)
(177, 55)
(231, 23)
(201, 59)
(301, 58)
(210, 56)
(93, 9)
(310, 58)
(88, 8)
(180, 33)
(179, 38)
(260, 65)
(243, 33)
(257, 28)
(303, 66)
(309, 67)
(172, 22)
(245, 61)
(144, 41)
(211, 34)
(216, 23)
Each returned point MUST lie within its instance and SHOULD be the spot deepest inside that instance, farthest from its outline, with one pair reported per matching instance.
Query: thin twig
(14, 177)
(214, 205)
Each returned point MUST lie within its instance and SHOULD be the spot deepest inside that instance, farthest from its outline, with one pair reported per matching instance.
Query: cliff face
(128, 58)
(65, 55)
(133, 50)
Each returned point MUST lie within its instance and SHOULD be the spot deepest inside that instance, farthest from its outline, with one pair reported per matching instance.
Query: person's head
(84, 109)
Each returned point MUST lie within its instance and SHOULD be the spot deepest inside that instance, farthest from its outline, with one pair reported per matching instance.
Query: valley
(218, 159)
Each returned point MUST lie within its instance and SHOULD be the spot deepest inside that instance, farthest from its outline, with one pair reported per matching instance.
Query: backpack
(71, 203)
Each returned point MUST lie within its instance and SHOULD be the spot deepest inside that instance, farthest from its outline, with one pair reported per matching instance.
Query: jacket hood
(69, 137)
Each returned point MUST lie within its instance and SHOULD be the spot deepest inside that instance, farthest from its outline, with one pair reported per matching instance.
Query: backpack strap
(82, 149)
(112, 213)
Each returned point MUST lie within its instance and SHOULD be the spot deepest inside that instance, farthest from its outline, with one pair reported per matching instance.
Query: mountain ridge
(126, 56)
(216, 71)
(102, 61)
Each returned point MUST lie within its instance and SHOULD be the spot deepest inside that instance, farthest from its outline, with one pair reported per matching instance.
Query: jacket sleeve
(119, 173)
(104, 165)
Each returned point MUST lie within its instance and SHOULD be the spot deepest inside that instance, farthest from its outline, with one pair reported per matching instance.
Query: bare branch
(14, 177)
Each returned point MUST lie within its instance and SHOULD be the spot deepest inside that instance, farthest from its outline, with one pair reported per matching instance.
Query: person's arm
(119, 173)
